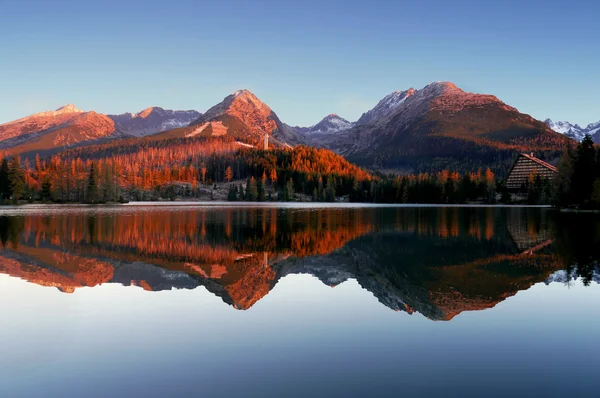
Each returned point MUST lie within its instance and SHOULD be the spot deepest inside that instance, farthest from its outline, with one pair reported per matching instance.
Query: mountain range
(438, 126)
(575, 131)
(153, 120)
(442, 126)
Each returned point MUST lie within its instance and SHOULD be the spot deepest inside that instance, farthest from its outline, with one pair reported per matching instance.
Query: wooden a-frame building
(524, 167)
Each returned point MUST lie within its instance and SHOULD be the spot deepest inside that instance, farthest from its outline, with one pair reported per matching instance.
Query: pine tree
(289, 190)
(330, 191)
(260, 188)
(16, 178)
(92, 186)
(5, 191)
(232, 195)
(251, 190)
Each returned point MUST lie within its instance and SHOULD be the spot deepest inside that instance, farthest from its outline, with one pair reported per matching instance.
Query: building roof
(540, 162)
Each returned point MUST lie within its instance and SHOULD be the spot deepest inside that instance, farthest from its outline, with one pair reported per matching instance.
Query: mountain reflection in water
(435, 261)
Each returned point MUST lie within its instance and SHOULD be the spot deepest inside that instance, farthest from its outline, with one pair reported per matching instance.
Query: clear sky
(305, 59)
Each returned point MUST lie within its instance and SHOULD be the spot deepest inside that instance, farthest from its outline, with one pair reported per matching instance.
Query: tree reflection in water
(436, 261)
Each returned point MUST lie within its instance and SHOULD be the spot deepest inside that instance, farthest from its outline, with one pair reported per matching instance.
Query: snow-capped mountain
(329, 124)
(385, 106)
(324, 132)
(153, 120)
(575, 131)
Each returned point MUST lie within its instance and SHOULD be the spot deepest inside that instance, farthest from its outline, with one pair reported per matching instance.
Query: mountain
(574, 130)
(65, 127)
(243, 116)
(385, 106)
(153, 120)
(329, 124)
(323, 133)
(442, 126)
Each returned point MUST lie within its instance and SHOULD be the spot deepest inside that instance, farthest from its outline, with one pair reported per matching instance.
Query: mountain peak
(331, 123)
(243, 92)
(383, 107)
(69, 108)
(439, 83)
(574, 131)
(146, 112)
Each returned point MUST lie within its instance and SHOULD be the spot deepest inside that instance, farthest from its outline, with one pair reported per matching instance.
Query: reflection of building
(528, 234)
(526, 167)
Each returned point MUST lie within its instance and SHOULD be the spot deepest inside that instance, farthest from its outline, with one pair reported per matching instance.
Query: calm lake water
(294, 301)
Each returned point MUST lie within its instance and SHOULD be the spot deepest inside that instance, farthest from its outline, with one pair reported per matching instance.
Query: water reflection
(435, 261)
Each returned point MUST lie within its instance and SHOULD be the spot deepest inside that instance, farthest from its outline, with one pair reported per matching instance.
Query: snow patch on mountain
(575, 131)
(330, 124)
(385, 106)
(570, 130)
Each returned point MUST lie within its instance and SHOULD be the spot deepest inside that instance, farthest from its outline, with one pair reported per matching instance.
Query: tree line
(578, 181)
(189, 167)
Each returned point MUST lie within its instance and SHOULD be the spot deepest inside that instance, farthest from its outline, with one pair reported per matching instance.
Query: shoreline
(289, 205)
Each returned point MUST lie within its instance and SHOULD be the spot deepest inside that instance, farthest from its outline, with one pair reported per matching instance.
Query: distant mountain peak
(69, 108)
(574, 131)
(153, 120)
(242, 92)
(443, 84)
(385, 105)
(332, 123)
(148, 111)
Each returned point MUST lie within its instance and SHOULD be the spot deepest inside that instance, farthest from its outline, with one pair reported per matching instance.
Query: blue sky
(305, 59)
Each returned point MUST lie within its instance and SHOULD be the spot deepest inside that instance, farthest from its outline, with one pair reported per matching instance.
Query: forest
(172, 168)
(577, 185)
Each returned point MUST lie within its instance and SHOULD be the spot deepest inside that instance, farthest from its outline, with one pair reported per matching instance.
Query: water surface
(253, 301)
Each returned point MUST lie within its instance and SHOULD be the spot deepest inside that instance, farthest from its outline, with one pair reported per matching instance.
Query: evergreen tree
(288, 192)
(232, 195)
(5, 191)
(260, 188)
(46, 193)
(584, 171)
(251, 190)
(330, 191)
(16, 178)
(92, 185)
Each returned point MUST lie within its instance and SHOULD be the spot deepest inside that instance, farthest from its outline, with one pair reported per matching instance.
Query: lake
(297, 300)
